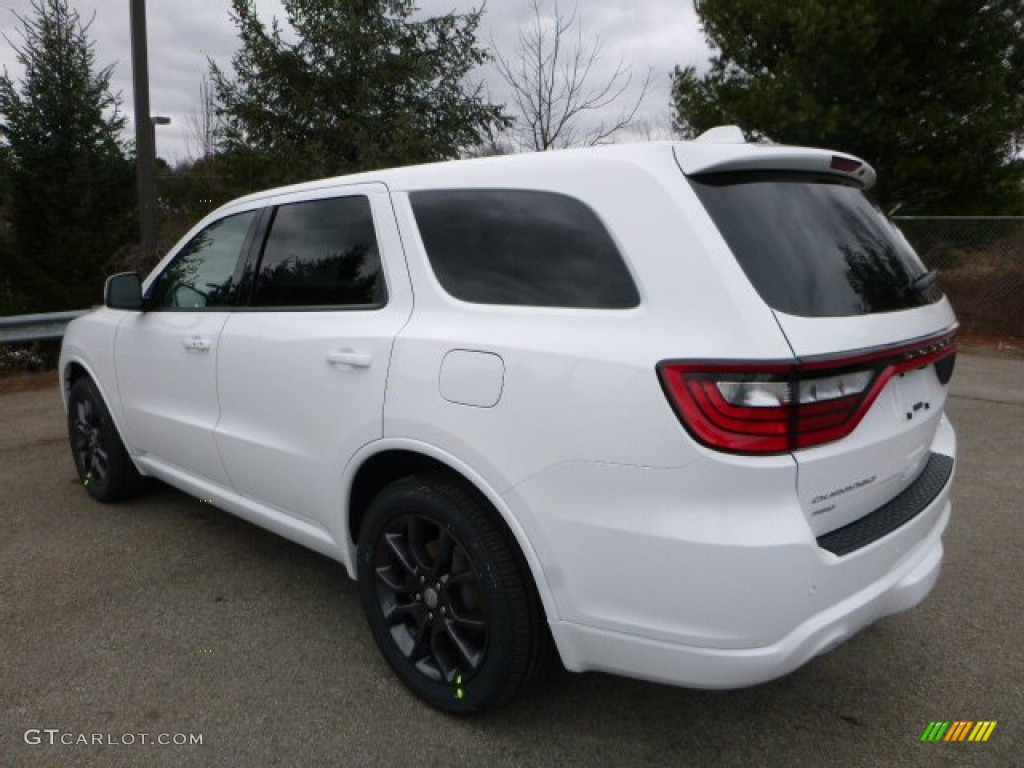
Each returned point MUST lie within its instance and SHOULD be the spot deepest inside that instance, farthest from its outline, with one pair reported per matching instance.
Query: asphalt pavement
(166, 620)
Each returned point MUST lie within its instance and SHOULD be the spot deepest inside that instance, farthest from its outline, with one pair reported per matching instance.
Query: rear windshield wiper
(921, 283)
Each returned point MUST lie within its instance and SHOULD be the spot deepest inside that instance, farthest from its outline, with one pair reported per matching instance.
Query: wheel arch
(74, 370)
(386, 461)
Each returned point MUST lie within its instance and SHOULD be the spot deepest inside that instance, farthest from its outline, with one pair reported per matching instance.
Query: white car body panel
(90, 344)
(174, 423)
(291, 418)
(654, 555)
(840, 482)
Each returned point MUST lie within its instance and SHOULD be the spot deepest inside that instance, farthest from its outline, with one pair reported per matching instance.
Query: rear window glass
(814, 247)
(522, 247)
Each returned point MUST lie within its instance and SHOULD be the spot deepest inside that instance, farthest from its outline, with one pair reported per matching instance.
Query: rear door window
(321, 253)
(813, 246)
(522, 247)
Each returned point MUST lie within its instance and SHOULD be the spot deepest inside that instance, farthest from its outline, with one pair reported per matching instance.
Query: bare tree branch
(202, 126)
(551, 75)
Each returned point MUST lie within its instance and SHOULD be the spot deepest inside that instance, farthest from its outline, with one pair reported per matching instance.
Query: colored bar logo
(958, 730)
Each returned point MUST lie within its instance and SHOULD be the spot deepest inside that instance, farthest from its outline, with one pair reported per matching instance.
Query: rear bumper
(688, 576)
(894, 514)
(584, 647)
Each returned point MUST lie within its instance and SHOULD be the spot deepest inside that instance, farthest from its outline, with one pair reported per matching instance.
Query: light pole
(156, 120)
(145, 140)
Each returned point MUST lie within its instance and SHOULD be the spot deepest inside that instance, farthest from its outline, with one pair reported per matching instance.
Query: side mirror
(123, 291)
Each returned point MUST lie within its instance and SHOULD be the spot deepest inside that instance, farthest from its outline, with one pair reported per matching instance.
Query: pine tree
(70, 183)
(931, 92)
(363, 86)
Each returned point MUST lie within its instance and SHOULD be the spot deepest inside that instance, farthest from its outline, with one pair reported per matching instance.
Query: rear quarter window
(813, 246)
(522, 247)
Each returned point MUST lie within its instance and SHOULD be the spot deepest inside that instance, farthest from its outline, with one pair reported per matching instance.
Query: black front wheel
(449, 603)
(103, 464)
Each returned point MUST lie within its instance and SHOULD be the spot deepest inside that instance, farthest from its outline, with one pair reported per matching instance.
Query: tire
(103, 464)
(449, 602)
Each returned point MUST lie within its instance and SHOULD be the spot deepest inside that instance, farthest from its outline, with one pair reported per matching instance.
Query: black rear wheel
(450, 605)
(103, 464)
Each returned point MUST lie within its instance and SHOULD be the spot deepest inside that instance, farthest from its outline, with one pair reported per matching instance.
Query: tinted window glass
(522, 247)
(202, 274)
(812, 246)
(321, 253)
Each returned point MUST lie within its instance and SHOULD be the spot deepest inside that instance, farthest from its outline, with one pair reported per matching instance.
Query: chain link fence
(981, 268)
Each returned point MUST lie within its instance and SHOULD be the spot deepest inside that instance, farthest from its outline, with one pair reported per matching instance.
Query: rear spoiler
(724, 149)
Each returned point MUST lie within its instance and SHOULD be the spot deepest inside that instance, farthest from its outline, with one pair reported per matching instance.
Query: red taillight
(775, 407)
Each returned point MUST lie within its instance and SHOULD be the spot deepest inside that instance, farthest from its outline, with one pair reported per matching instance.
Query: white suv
(676, 409)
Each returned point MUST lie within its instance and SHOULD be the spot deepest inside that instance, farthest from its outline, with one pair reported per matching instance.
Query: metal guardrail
(49, 325)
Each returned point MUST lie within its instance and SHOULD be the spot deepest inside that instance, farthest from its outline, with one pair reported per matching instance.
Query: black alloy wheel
(103, 464)
(432, 599)
(449, 602)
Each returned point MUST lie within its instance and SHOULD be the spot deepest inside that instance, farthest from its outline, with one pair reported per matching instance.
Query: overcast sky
(652, 34)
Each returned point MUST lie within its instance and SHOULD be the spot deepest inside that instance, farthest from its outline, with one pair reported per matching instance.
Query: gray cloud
(655, 34)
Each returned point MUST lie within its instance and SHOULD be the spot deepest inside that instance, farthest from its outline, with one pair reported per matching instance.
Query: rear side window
(522, 247)
(814, 247)
(321, 253)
